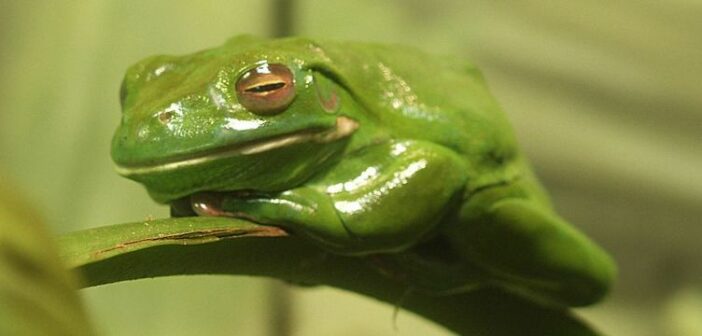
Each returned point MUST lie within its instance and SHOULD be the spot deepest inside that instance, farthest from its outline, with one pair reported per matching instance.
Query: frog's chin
(344, 127)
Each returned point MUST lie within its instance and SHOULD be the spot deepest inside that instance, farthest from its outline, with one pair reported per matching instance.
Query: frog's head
(251, 114)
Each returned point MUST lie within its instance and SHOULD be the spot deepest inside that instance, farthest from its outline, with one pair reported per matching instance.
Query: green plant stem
(207, 246)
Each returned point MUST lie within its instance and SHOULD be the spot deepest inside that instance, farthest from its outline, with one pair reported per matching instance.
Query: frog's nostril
(165, 117)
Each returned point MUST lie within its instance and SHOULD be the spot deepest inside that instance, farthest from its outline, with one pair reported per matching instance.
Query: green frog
(368, 150)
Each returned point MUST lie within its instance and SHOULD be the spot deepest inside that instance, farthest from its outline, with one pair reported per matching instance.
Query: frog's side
(378, 149)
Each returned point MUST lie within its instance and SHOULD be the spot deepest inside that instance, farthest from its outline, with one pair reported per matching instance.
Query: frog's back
(417, 95)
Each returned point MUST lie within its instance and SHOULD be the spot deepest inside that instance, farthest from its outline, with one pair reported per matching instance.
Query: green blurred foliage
(682, 312)
(605, 97)
(37, 294)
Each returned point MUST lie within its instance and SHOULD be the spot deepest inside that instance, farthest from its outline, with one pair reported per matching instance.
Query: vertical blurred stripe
(283, 14)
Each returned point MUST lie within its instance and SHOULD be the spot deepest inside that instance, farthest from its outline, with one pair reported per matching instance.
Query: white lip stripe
(344, 127)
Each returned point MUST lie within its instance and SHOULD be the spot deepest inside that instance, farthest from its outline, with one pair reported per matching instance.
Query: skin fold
(365, 149)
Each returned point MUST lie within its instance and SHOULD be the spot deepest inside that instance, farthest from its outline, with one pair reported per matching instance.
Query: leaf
(37, 295)
(197, 245)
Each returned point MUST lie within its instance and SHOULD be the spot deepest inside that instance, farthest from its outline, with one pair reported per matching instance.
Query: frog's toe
(182, 208)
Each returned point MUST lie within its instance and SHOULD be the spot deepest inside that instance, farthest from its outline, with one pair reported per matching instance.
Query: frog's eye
(266, 89)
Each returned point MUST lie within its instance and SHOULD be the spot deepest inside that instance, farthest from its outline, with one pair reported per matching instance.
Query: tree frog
(363, 149)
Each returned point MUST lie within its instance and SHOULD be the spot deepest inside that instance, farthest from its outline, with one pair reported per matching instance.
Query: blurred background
(606, 98)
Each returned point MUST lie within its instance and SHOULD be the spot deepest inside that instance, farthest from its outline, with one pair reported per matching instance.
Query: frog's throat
(344, 127)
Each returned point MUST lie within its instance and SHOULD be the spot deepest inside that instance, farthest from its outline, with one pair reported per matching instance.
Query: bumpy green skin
(430, 178)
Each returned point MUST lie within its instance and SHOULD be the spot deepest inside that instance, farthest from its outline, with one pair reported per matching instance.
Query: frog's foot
(303, 211)
(209, 204)
(206, 204)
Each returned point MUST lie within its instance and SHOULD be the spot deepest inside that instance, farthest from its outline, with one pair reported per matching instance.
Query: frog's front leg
(382, 198)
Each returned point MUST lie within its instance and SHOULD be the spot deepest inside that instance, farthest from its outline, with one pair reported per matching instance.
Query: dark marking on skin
(332, 103)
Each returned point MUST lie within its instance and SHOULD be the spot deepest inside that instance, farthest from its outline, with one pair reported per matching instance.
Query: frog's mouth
(344, 127)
